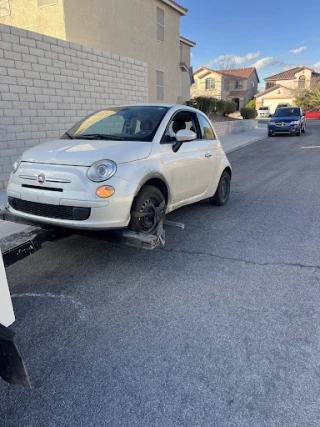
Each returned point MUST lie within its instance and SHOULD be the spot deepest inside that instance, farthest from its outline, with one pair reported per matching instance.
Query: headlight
(102, 170)
(295, 122)
(16, 165)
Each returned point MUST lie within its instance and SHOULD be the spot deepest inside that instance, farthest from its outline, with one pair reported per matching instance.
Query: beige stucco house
(237, 84)
(282, 88)
(146, 30)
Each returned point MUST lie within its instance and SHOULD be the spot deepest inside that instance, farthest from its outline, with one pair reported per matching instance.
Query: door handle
(208, 155)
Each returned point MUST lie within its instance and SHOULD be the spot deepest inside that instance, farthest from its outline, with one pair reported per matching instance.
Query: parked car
(313, 114)
(264, 112)
(287, 120)
(118, 163)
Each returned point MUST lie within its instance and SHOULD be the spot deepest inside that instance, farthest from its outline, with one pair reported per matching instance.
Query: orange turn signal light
(105, 191)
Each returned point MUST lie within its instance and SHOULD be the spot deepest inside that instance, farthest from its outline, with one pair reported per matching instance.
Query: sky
(273, 36)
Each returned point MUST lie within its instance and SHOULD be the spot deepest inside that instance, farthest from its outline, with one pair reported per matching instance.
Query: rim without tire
(146, 203)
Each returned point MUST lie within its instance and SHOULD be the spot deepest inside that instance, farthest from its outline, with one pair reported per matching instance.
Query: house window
(160, 24)
(302, 82)
(4, 8)
(269, 85)
(160, 85)
(43, 3)
(210, 83)
(238, 84)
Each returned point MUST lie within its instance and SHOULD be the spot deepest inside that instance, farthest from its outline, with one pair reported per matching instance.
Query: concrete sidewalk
(230, 143)
(236, 141)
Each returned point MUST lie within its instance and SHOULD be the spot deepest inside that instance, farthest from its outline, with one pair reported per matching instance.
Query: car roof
(174, 107)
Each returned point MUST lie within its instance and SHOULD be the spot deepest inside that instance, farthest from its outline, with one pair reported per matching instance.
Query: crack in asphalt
(280, 264)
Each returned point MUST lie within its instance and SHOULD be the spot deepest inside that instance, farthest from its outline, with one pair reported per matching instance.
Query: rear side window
(205, 128)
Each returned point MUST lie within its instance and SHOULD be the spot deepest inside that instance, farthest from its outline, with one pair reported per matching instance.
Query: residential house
(281, 88)
(146, 30)
(237, 84)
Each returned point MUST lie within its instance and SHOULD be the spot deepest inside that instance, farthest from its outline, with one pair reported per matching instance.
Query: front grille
(282, 124)
(36, 187)
(50, 211)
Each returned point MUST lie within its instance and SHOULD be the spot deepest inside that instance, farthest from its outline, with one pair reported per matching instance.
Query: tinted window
(287, 112)
(127, 123)
(205, 128)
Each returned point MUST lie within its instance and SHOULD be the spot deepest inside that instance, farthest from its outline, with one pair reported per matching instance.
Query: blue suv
(290, 120)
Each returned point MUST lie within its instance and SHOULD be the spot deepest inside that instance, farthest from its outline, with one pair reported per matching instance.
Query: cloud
(299, 50)
(266, 62)
(286, 67)
(230, 59)
(316, 67)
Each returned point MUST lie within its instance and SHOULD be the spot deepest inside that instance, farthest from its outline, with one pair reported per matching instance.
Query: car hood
(86, 152)
(284, 119)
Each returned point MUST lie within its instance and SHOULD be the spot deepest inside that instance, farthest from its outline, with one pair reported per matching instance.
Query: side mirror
(183, 135)
(304, 114)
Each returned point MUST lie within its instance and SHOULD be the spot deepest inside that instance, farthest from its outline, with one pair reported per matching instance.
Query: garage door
(273, 103)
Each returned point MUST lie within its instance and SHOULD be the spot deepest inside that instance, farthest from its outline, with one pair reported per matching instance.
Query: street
(219, 328)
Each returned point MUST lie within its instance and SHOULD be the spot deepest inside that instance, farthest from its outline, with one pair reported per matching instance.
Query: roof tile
(288, 74)
(243, 73)
(242, 92)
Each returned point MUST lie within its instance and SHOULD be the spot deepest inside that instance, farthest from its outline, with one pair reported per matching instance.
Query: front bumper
(288, 129)
(70, 204)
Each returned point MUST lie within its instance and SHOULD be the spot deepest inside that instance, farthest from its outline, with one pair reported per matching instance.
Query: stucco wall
(200, 85)
(293, 83)
(130, 29)
(47, 85)
(185, 78)
(47, 20)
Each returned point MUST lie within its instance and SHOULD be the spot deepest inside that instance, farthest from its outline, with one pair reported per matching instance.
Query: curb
(257, 139)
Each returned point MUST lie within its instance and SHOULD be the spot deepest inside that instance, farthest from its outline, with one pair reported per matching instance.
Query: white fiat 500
(118, 163)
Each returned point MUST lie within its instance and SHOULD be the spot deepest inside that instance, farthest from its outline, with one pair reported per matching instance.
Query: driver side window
(182, 120)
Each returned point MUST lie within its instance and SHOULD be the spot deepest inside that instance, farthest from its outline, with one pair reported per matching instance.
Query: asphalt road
(219, 328)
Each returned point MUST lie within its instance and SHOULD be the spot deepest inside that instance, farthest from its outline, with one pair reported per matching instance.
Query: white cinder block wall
(47, 85)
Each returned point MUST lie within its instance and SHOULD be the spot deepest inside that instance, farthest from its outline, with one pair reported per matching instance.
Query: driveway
(219, 328)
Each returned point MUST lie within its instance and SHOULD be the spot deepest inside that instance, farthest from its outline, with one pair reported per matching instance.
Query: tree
(252, 103)
(309, 99)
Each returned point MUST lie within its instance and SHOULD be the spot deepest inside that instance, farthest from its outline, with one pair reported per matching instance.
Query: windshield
(120, 123)
(287, 112)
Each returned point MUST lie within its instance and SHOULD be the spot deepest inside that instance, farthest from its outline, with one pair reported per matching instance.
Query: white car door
(188, 171)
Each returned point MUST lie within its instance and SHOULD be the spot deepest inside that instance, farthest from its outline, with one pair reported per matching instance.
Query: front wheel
(221, 196)
(304, 128)
(299, 132)
(270, 134)
(150, 203)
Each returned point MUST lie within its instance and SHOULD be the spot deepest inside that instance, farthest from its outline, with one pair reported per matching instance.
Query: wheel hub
(147, 221)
